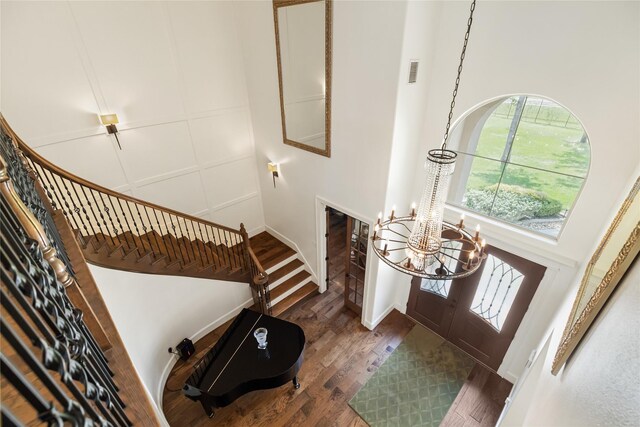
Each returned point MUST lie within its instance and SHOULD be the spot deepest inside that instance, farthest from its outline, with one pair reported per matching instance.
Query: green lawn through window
(549, 156)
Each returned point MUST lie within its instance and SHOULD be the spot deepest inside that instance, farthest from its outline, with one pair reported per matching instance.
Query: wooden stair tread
(301, 294)
(294, 281)
(276, 257)
(284, 270)
(269, 250)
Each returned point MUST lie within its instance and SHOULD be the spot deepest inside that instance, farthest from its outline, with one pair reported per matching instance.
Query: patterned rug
(416, 385)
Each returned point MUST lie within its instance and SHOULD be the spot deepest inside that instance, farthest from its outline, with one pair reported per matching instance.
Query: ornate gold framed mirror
(303, 48)
(615, 253)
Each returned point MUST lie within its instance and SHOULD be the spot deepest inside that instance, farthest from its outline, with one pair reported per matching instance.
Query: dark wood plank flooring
(269, 250)
(340, 356)
(480, 401)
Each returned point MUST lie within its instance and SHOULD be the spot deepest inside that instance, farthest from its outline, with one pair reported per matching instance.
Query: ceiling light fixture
(422, 243)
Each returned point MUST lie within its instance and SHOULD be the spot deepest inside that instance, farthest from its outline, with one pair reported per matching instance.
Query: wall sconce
(274, 168)
(110, 121)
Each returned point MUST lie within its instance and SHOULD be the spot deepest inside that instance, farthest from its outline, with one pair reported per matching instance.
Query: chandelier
(422, 243)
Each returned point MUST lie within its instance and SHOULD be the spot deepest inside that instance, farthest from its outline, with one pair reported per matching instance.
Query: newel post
(246, 247)
(259, 280)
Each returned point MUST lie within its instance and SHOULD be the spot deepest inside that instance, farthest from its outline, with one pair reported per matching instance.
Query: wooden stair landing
(289, 282)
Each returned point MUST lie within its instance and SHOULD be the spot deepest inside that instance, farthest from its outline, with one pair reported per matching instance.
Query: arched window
(522, 160)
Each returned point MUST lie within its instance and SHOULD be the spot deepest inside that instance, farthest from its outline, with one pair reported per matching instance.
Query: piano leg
(207, 409)
(296, 384)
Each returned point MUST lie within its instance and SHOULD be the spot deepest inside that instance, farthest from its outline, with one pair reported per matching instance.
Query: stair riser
(282, 263)
(290, 291)
(286, 277)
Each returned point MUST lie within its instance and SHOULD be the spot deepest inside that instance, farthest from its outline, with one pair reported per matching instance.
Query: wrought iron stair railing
(119, 231)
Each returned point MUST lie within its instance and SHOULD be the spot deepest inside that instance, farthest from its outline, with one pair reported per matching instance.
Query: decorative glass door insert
(496, 291)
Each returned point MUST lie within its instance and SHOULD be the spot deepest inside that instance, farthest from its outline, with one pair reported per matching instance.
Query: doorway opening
(346, 239)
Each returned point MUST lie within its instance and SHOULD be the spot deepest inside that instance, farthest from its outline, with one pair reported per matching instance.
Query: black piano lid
(238, 359)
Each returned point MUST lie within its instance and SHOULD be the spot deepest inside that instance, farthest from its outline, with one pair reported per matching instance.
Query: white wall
(367, 46)
(419, 43)
(155, 312)
(173, 73)
(600, 385)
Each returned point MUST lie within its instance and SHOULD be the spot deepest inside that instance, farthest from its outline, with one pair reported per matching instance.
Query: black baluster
(144, 229)
(135, 224)
(104, 220)
(155, 235)
(168, 233)
(126, 221)
(190, 242)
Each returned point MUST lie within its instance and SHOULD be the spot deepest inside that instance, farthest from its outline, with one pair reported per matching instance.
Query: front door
(480, 313)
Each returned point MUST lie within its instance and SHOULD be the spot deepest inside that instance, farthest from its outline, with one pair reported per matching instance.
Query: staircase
(121, 232)
(156, 253)
(289, 282)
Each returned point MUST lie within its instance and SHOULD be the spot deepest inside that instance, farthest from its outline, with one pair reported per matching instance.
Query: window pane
(475, 182)
(496, 291)
(522, 160)
(535, 199)
(548, 138)
(451, 251)
(438, 287)
(493, 137)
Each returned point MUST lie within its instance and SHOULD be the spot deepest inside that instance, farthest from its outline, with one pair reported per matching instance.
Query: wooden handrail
(37, 158)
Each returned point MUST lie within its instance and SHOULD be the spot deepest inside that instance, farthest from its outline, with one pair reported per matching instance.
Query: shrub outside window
(522, 160)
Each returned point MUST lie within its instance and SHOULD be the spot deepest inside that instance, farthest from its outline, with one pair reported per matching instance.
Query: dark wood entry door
(480, 313)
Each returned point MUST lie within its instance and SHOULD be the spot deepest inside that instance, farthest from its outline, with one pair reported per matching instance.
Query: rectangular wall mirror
(303, 47)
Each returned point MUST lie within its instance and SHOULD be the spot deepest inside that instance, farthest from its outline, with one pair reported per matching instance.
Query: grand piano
(235, 366)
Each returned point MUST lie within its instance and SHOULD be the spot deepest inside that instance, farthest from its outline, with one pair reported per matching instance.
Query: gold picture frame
(277, 4)
(615, 253)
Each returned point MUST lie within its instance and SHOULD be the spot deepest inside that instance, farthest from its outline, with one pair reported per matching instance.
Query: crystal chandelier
(422, 243)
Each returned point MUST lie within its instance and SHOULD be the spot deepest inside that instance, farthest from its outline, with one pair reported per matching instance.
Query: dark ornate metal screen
(52, 368)
(24, 185)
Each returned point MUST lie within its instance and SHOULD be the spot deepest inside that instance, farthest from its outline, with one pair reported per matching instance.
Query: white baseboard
(293, 244)
(256, 230)
(511, 377)
(376, 322)
(195, 337)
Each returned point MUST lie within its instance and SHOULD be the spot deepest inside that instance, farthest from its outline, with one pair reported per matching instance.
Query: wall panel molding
(187, 82)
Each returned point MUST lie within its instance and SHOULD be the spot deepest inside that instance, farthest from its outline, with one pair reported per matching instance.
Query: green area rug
(416, 385)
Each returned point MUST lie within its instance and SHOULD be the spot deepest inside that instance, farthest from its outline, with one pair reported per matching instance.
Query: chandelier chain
(455, 89)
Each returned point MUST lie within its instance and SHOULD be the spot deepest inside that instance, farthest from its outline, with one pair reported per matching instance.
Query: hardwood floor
(340, 356)
(480, 401)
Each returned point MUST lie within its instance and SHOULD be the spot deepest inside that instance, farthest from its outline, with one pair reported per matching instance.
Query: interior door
(494, 301)
(355, 263)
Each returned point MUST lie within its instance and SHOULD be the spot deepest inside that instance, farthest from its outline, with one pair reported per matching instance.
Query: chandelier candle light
(423, 244)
